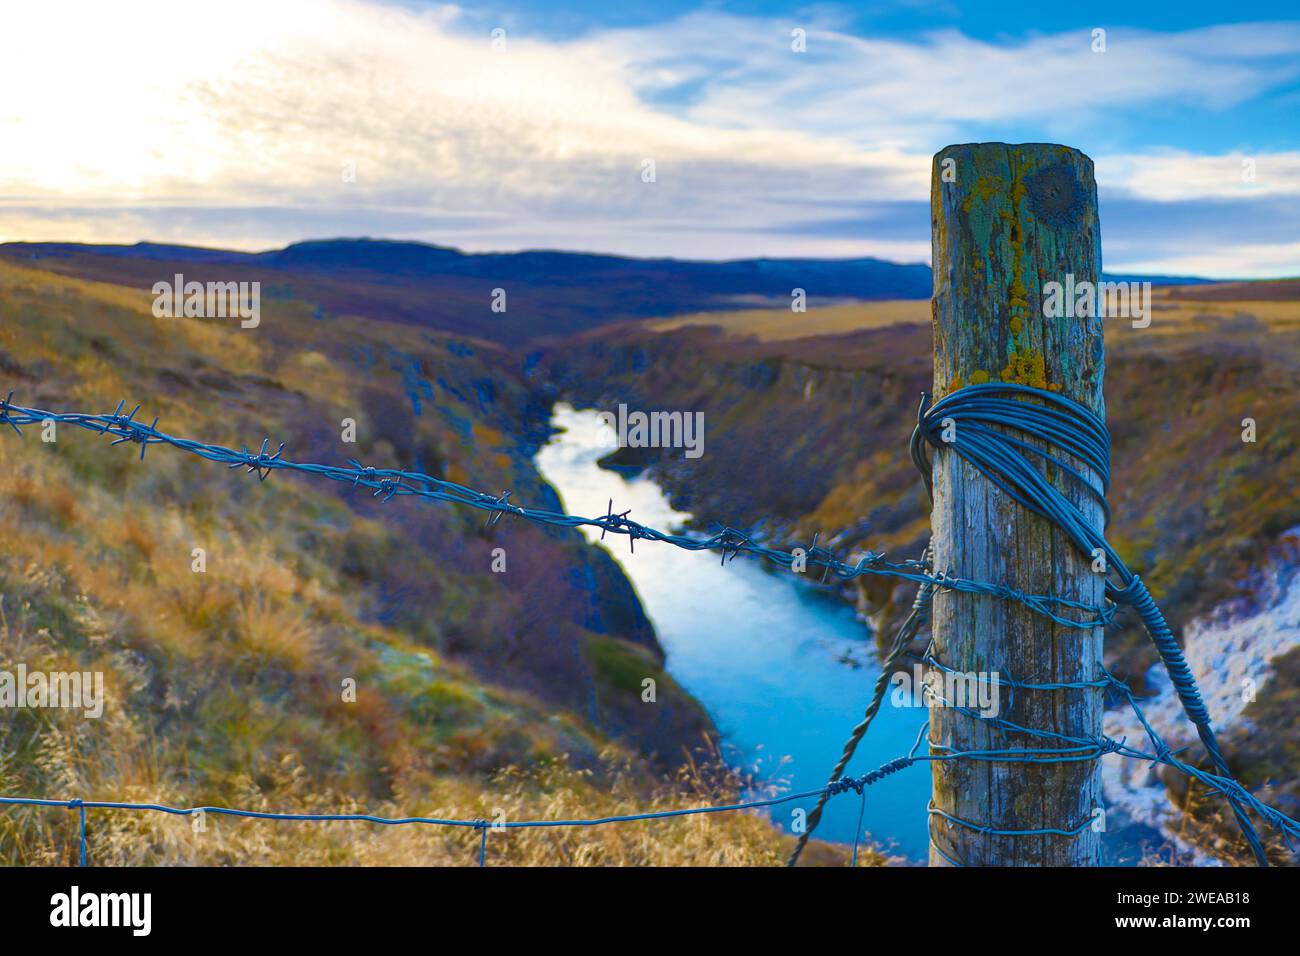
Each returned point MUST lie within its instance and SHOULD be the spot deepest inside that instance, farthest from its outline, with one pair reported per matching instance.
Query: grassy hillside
(475, 690)
(775, 325)
(807, 433)
(808, 429)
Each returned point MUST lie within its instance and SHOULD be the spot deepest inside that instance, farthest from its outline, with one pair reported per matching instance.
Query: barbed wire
(1085, 438)
(388, 483)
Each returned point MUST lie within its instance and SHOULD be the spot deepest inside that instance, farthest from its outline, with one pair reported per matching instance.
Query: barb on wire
(390, 483)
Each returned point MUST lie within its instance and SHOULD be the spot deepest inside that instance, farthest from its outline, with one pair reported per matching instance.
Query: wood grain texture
(1015, 218)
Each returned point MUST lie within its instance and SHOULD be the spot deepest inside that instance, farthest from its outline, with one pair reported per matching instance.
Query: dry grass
(553, 791)
(277, 633)
(223, 686)
(1176, 310)
(775, 325)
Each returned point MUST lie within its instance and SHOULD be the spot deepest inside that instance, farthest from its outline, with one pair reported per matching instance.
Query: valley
(478, 689)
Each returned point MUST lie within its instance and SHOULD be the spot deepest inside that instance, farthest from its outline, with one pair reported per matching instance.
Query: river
(783, 669)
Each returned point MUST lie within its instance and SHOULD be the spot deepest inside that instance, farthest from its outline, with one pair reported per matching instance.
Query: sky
(529, 124)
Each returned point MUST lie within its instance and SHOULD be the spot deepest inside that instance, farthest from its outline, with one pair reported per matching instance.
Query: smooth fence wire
(997, 455)
(856, 784)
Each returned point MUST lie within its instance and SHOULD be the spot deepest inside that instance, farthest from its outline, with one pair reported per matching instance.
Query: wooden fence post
(1005, 221)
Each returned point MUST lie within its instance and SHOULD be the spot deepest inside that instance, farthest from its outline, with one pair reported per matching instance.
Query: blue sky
(247, 124)
(1251, 124)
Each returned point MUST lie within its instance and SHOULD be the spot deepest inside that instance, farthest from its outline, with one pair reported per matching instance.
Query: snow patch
(1230, 652)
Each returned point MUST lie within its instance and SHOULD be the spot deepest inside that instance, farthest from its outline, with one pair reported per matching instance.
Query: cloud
(739, 72)
(1171, 175)
(232, 124)
(264, 105)
(1238, 261)
(1243, 238)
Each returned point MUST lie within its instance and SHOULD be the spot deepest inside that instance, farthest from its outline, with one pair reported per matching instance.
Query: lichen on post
(1006, 220)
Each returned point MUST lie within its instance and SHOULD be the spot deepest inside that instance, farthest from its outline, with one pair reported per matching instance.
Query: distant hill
(548, 294)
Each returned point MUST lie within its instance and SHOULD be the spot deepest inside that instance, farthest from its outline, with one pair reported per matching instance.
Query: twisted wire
(978, 414)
